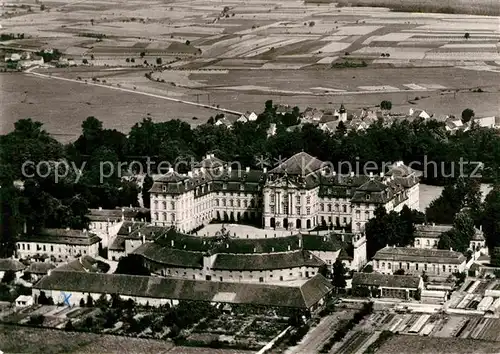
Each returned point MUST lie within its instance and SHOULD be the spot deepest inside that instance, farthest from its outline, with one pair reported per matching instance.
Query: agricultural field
(236, 55)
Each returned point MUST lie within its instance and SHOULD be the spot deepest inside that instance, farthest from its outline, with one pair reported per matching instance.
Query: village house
(247, 117)
(417, 260)
(387, 285)
(24, 301)
(37, 270)
(58, 244)
(308, 295)
(13, 265)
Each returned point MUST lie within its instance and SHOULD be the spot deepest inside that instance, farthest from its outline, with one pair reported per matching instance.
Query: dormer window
(367, 197)
(242, 187)
(224, 186)
(164, 188)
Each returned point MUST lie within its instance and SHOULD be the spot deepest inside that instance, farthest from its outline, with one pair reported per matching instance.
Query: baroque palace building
(300, 194)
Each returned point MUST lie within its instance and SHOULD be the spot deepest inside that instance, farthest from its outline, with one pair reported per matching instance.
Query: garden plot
(395, 53)
(334, 47)
(238, 49)
(326, 89)
(283, 66)
(390, 37)
(470, 45)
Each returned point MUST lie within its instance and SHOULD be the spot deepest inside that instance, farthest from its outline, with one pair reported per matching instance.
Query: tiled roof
(116, 214)
(299, 164)
(431, 230)
(422, 255)
(62, 236)
(303, 296)
(150, 232)
(385, 280)
(118, 244)
(170, 256)
(39, 268)
(11, 264)
(82, 264)
(132, 225)
(331, 242)
(269, 261)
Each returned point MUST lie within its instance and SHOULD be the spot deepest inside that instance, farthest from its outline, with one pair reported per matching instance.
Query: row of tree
(45, 203)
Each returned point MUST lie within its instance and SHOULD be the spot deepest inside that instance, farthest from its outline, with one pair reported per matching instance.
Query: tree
(146, 186)
(9, 276)
(69, 326)
(467, 115)
(85, 61)
(341, 129)
(339, 281)
(400, 271)
(42, 299)
(467, 35)
(142, 54)
(158, 61)
(82, 302)
(188, 42)
(90, 301)
(495, 257)
(491, 218)
(368, 269)
(386, 105)
(42, 7)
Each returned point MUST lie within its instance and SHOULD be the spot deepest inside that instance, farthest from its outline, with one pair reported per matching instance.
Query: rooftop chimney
(247, 169)
(227, 245)
(143, 239)
(289, 247)
(129, 229)
(254, 250)
(172, 243)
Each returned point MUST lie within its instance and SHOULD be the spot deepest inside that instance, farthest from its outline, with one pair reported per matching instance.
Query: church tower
(342, 113)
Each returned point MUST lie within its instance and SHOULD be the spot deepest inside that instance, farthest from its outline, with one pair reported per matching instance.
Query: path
(31, 72)
(317, 336)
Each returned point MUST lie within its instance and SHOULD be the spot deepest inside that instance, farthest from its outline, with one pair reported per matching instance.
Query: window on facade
(44, 248)
(216, 202)
(273, 197)
(164, 204)
(344, 208)
(367, 197)
(245, 203)
(308, 210)
(238, 203)
(272, 209)
(428, 243)
(322, 207)
(345, 220)
(418, 242)
(407, 265)
(297, 210)
(28, 247)
(173, 217)
(400, 265)
(308, 199)
(444, 268)
(425, 267)
(164, 188)
(357, 214)
(388, 266)
(329, 207)
(223, 202)
(230, 202)
(51, 248)
(383, 264)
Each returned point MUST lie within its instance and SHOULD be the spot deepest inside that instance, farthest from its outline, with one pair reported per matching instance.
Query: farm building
(10, 264)
(155, 291)
(39, 269)
(59, 244)
(385, 285)
(23, 301)
(415, 260)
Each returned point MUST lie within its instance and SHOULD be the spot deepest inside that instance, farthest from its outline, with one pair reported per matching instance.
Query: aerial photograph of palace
(294, 177)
